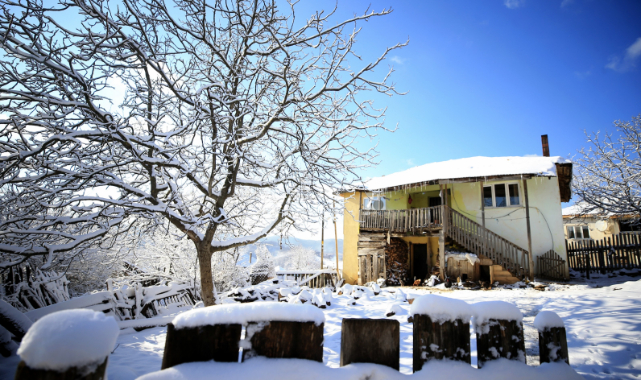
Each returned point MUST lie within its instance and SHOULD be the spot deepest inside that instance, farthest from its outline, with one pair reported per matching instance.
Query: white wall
(546, 221)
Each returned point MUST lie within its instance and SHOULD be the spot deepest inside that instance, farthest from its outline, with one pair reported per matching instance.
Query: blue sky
(489, 77)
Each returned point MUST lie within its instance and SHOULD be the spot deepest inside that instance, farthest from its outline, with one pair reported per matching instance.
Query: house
(581, 225)
(486, 213)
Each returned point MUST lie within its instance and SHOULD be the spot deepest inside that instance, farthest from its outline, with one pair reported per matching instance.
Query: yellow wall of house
(397, 200)
(432, 247)
(350, 236)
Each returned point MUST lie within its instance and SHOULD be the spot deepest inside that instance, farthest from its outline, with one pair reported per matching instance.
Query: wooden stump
(433, 340)
(25, 373)
(500, 339)
(293, 340)
(201, 344)
(370, 341)
(553, 345)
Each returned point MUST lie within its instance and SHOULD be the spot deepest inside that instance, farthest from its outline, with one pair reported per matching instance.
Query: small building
(582, 225)
(485, 213)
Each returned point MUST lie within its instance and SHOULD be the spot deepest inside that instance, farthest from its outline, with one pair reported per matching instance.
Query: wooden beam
(441, 237)
(529, 231)
(482, 204)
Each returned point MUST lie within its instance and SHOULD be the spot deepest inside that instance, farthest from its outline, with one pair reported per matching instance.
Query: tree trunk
(206, 278)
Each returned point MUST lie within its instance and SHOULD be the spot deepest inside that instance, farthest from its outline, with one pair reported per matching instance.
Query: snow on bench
(245, 313)
(71, 340)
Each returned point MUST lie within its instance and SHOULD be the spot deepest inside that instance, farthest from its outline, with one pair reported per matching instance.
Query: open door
(419, 262)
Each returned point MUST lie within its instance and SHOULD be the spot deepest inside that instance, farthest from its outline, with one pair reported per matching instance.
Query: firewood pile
(396, 254)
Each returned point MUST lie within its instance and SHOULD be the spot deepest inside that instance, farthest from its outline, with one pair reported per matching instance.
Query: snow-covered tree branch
(216, 116)
(608, 174)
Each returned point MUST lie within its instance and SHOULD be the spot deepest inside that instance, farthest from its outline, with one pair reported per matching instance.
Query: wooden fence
(621, 251)
(551, 265)
(312, 278)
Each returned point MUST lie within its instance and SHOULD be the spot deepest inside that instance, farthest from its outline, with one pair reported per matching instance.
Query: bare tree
(608, 175)
(231, 116)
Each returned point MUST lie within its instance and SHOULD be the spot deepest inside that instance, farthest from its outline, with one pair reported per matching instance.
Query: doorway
(419, 262)
(485, 273)
(434, 201)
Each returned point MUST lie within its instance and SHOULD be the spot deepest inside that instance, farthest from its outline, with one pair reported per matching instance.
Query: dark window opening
(487, 196)
(500, 196)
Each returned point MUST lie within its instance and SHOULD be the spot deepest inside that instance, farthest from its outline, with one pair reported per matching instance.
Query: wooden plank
(370, 341)
(502, 338)
(482, 205)
(553, 345)
(201, 344)
(434, 340)
(289, 340)
(25, 372)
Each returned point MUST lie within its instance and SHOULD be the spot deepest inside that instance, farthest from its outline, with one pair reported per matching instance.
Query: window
(578, 232)
(501, 195)
(374, 203)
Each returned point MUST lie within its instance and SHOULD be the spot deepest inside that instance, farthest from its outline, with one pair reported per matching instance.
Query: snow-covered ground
(602, 317)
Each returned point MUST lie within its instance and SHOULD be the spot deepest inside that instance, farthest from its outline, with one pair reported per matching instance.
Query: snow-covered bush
(27, 287)
(298, 258)
(264, 266)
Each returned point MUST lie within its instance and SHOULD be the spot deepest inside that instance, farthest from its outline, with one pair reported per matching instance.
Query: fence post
(553, 345)
(447, 336)
(499, 332)
(370, 341)
(292, 340)
(586, 254)
(601, 256)
(85, 354)
(201, 344)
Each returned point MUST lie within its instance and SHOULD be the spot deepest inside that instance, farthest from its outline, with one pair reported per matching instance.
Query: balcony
(402, 221)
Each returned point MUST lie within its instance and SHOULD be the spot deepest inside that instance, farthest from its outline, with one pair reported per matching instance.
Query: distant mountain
(273, 246)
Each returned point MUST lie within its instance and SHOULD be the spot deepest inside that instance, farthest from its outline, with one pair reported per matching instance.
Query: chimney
(546, 147)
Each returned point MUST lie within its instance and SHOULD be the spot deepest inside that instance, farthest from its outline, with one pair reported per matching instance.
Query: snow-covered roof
(582, 209)
(577, 209)
(473, 167)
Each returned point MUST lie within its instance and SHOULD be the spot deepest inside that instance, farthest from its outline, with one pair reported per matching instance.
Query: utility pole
(338, 273)
(322, 239)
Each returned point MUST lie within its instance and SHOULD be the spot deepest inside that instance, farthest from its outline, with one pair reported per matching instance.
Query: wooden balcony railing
(458, 227)
(402, 220)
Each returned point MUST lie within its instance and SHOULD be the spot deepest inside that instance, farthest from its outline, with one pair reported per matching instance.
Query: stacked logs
(396, 254)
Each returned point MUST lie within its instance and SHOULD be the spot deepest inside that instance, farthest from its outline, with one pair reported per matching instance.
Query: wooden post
(338, 273)
(322, 239)
(290, 340)
(529, 232)
(24, 372)
(500, 338)
(482, 205)
(441, 237)
(201, 344)
(370, 341)
(553, 345)
(434, 340)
